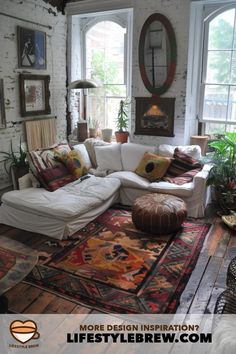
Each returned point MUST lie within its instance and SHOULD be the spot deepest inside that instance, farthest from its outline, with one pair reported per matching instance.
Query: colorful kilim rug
(16, 261)
(112, 266)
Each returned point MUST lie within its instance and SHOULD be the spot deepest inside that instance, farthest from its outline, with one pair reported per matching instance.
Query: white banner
(108, 333)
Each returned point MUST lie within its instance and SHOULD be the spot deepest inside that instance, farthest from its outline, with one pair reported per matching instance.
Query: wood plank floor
(205, 284)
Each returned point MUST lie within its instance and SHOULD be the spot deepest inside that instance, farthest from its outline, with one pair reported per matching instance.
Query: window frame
(121, 17)
(193, 122)
(207, 20)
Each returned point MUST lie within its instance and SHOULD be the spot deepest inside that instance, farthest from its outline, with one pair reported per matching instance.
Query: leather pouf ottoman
(158, 213)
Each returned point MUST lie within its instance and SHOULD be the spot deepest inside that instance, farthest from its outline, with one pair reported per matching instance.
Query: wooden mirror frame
(173, 54)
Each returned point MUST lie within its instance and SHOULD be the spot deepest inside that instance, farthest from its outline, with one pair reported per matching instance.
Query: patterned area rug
(16, 261)
(114, 267)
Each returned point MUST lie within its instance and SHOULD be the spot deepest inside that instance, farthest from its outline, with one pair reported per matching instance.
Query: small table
(16, 261)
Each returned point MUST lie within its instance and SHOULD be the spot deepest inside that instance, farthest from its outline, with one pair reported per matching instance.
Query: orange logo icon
(24, 331)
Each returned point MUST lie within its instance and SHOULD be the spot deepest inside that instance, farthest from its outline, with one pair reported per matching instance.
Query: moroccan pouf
(158, 213)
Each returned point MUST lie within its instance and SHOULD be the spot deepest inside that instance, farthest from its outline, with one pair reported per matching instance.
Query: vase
(107, 135)
(121, 137)
(92, 132)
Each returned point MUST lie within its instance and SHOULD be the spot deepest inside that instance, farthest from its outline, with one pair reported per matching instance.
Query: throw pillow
(55, 177)
(109, 157)
(152, 166)
(184, 178)
(182, 163)
(74, 163)
(84, 154)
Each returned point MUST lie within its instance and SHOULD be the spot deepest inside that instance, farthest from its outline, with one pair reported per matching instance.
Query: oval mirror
(157, 54)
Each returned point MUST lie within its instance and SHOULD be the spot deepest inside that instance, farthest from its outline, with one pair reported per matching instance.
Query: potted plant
(122, 122)
(93, 128)
(15, 164)
(222, 175)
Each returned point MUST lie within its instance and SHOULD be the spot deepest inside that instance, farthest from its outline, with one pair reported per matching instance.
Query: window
(218, 84)
(105, 61)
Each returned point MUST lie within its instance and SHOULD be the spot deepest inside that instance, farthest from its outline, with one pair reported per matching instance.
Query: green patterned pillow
(152, 166)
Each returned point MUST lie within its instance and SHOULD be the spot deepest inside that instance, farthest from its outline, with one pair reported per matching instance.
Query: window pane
(218, 67)
(104, 110)
(215, 102)
(214, 128)
(232, 105)
(233, 70)
(221, 31)
(104, 55)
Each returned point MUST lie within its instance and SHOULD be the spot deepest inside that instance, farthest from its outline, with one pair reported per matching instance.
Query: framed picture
(2, 106)
(154, 116)
(34, 94)
(31, 48)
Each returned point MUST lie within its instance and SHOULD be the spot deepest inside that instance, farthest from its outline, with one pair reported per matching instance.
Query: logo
(23, 332)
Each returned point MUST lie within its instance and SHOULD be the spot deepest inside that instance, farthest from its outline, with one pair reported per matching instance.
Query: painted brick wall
(40, 12)
(177, 11)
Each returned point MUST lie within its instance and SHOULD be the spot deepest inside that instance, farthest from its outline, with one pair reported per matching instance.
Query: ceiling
(59, 4)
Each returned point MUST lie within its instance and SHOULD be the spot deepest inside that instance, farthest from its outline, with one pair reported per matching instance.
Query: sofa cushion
(130, 179)
(90, 145)
(84, 154)
(131, 155)
(56, 177)
(152, 166)
(74, 163)
(185, 190)
(168, 150)
(182, 163)
(108, 157)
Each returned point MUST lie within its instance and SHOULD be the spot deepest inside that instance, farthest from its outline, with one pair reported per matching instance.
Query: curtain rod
(22, 19)
(32, 120)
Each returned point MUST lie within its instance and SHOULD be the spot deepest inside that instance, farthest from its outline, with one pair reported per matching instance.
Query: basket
(230, 221)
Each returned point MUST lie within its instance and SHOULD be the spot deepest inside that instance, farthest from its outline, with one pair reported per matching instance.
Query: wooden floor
(206, 282)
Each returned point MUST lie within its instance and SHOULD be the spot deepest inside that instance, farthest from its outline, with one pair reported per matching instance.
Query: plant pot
(122, 137)
(92, 132)
(18, 172)
(225, 205)
(107, 135)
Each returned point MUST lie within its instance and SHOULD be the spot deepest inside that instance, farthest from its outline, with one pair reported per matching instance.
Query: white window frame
(203, 84)
(195, 63)
(90, 9)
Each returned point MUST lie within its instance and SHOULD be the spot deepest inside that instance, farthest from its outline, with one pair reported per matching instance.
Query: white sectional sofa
(61, 213)
(194, 193)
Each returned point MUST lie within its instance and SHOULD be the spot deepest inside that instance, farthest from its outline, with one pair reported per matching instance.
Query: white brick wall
(177, 11)
(36, 11)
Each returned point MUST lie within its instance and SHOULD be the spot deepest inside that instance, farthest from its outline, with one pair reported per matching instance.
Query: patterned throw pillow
(55, 177)
(45, 158)
(152, 166)
(74, 163)
(182, 163)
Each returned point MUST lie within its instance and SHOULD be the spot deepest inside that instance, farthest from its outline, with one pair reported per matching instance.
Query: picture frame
(154, 116)
(34, 94)
(31, 48)
(2, 106)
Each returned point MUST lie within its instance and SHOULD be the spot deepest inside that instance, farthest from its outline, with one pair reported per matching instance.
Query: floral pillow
(152, 166)
(73, 162)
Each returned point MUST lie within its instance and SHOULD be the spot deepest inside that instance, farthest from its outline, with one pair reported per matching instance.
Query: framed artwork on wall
(34, 94)
(31, 48)
(154, 116)
(2, 106)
